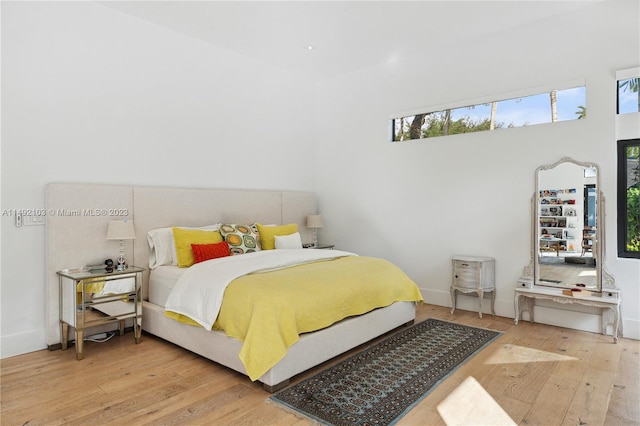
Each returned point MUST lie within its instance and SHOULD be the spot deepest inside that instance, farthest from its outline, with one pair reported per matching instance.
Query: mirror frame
(531, 272)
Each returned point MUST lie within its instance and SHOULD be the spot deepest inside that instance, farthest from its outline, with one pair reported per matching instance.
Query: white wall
(420, 202)
(90, 94)
(93, 95)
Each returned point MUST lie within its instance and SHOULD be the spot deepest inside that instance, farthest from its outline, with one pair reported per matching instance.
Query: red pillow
(202, 252)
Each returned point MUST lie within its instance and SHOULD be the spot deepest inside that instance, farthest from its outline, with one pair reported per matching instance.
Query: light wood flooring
(539, 375)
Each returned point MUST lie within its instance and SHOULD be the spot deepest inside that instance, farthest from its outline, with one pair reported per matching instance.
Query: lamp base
(121, 263)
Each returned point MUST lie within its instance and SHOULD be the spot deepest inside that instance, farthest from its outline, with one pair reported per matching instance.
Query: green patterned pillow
(241, 238)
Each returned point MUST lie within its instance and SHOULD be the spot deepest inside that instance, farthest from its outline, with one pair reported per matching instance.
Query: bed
(162, 208)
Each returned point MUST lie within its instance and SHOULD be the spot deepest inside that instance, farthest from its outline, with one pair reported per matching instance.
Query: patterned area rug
(378, 385)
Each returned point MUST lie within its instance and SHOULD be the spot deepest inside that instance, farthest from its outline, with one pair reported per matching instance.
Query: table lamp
(121, 230)
(314, 221)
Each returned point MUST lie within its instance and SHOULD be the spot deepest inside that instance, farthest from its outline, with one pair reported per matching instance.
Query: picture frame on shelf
(556, 211)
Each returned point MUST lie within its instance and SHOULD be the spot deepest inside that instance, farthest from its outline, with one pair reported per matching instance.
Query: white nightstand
(94, 297)
(473, 275)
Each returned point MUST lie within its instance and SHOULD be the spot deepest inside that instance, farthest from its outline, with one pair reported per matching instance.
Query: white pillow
(291, 241)
(162, 247)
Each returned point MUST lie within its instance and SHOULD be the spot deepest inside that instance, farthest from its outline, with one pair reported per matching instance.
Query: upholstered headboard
(78, 216)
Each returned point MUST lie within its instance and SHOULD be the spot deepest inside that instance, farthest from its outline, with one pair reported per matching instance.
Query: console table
(525, 301)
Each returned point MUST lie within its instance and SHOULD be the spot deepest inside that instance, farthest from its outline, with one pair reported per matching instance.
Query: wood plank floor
(539, 375)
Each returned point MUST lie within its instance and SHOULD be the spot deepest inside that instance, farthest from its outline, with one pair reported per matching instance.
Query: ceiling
(345, 35)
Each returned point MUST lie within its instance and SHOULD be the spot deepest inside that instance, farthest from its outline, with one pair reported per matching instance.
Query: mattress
(161, 281)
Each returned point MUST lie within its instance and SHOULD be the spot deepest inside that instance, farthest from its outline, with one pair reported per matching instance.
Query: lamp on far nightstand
(121, 230)
(314, 221)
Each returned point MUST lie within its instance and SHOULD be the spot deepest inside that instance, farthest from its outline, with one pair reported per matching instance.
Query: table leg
(529, 302)
(79, 344)
(64, 335)
(480, 296)
(615, 324)
(137, 325)
(493, 302)
(121, 327)
(453, 299)
(618, 324)
(516, 306)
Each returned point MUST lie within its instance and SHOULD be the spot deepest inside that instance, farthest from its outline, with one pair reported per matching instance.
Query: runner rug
(382, 383)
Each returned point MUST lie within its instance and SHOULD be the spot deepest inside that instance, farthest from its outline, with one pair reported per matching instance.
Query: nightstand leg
(137, 325)
(453, 299)
(79, 344)
(480, 296)
(493, 302)
(122, 327)
(64, 333)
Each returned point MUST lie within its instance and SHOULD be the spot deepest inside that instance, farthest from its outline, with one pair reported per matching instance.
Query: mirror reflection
(566, 225)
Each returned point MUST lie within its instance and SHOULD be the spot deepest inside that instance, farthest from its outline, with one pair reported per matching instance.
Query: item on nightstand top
(121, 230)
(108, 265)
(314, 221)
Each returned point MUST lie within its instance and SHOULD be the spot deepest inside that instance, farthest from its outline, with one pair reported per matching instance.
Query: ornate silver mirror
(568, 230)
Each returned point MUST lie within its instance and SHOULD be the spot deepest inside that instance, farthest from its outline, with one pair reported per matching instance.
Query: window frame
(633, 73)
(623, 252)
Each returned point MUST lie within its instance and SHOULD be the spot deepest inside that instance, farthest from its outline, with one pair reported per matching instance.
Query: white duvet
(199, 290)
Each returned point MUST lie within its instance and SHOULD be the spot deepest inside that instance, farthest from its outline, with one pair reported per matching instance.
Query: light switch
(32, 220)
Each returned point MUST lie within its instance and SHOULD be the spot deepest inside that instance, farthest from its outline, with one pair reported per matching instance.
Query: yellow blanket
(268, 311)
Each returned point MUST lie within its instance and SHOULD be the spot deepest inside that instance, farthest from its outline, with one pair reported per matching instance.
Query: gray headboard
(76, 227)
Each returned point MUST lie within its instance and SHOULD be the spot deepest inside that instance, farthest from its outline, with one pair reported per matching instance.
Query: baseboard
(631, 329)
(568, 316)
(469, 302)
(22, 343)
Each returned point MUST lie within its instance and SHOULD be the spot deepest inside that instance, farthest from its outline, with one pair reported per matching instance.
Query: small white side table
(472, 274)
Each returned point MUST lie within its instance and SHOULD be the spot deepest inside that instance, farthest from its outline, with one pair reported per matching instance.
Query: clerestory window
(568, 103)
(628, 95)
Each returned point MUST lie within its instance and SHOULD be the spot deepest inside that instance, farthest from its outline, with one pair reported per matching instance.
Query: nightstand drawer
(463, 265)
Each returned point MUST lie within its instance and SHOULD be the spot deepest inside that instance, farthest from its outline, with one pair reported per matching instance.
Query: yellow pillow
(268, 234)
(185, 237)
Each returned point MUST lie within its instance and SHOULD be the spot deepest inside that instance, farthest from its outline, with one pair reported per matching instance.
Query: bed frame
(76, 236)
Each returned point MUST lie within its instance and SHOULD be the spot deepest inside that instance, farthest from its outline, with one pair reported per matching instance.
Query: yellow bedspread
(268, 311)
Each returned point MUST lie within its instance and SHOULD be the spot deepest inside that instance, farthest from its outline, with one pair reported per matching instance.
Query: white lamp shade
(314, 221)
(120, 230)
